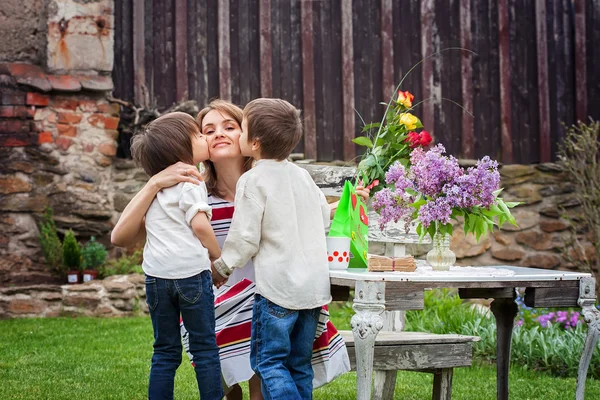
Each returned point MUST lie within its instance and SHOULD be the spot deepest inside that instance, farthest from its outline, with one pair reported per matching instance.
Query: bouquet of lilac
(435, 189)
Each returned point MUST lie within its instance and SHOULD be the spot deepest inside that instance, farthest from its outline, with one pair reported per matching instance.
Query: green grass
(89, 358)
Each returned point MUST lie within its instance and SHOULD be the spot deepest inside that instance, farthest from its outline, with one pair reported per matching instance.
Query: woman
(220, 122)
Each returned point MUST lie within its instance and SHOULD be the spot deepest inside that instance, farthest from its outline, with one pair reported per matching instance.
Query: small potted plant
(93, 255)
(71, 257)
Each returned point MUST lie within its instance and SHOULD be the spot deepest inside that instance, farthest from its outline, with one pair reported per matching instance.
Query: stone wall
(58, 131)
(23, 31)
(539, 239)
(120, 295)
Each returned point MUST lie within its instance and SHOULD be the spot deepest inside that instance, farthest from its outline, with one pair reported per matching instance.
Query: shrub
(71, 251)
(126, 264)
(51, 245)
(551, 348)
(579, 156)
(93, 254)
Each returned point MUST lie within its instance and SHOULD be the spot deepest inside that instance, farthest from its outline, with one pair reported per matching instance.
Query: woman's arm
(130, 228)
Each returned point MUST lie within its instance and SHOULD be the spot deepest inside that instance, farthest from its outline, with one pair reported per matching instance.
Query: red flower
(413, 140)
(425, 139)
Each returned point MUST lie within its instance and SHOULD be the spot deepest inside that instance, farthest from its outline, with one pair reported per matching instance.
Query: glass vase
(441, 257)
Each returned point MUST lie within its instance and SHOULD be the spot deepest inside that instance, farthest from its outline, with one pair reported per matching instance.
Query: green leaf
(497, 192)
(431, 230)
(512, 204)
(363, 141)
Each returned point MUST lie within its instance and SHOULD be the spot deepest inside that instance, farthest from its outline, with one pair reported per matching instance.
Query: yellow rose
(408, 120)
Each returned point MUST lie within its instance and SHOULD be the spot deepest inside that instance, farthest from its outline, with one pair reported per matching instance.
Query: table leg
(505, 311)
(369, 303)
(591, 315)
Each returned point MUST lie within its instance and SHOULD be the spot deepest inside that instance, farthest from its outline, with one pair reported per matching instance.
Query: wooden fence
(533, 65)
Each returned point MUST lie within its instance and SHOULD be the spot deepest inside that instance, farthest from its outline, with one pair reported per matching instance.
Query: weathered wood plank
(349, 149)
(224, 50)
(234, 50)
(486, 79)
(592, 57)
(212, 7)
(524, 92)
(276, 60)
(403, 299)
(551, 297)
(505, 82)
(417, 356)
(124, 74)
(390, 285)
(148, 56)
(543, 91)
(395, 338)
(427, 49)
(387, 49)
(580, 61)
(266, 85)
(467, 137)
(181, 48)
(447, 77)
(197, 52)
(308, 81)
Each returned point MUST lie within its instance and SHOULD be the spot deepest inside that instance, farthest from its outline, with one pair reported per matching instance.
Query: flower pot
(72, 277)
(89, 275)
(441, 257)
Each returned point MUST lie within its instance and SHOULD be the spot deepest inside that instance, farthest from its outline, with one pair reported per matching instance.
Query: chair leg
(442, 384)
(384, 385)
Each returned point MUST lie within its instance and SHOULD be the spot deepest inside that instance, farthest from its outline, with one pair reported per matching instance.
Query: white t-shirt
(279, 220)
(172, 249)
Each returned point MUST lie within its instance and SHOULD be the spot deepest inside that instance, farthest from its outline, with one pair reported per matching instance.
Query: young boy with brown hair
(279, 220)
(180, 244)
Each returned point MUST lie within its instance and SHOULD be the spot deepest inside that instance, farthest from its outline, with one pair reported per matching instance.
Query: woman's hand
(174, 174)
(363, 192)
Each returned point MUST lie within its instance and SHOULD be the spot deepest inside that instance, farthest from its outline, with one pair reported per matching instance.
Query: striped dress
(233, 313)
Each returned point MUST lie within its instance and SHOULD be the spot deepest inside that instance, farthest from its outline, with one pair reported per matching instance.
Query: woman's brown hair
(210, 173)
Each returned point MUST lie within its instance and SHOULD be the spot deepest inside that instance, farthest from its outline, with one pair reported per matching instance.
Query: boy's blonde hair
(210, 173)
(276, 124)
(165, 141)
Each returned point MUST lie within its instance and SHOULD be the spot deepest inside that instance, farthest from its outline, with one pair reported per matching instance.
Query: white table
(376, 292)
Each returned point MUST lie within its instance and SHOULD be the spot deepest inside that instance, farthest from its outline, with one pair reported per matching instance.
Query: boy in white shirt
(279, 220)
(180, 244)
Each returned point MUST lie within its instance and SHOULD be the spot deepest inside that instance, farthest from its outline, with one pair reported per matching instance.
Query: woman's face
(222, 134)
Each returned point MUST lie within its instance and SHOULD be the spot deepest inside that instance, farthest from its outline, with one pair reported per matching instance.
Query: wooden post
(468, 137)
(349, 148)
(580, 62)
(140, 91)
(224, 53)
(308, 82)
(505, 101)
(543, 91)
(427, 50)
(181, 46)
(266, 77)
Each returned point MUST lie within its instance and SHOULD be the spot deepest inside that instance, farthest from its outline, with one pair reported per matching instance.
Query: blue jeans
(193, 299)
(281, 349)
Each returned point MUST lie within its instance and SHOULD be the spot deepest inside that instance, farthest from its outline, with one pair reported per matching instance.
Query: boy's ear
(255, 145)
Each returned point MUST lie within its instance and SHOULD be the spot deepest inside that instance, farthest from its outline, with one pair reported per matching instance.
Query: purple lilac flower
(432, 170)
(476, 187)
(390, 207)
(435, 210)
